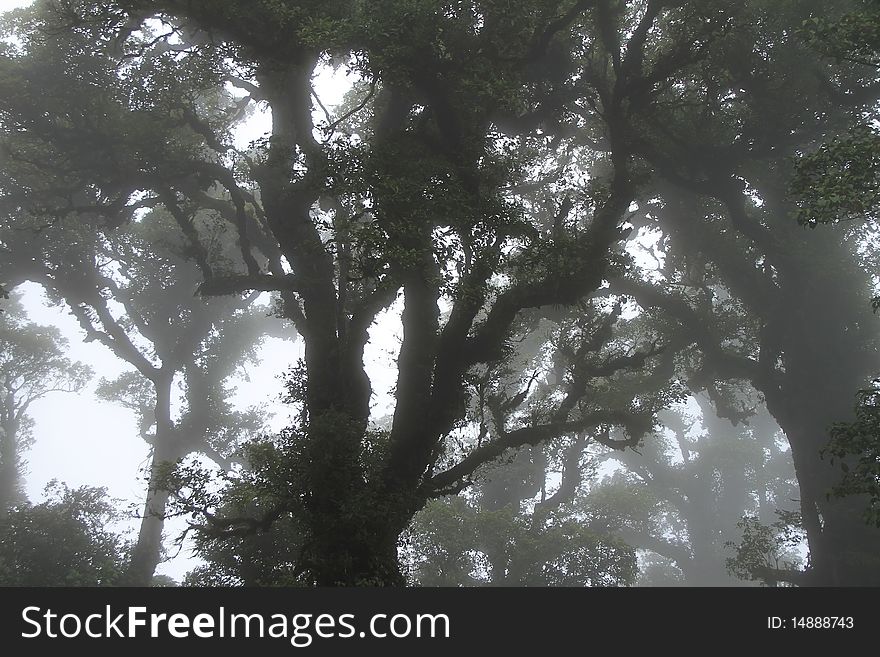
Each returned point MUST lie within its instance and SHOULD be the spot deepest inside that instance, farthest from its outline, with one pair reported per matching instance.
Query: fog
(439, 294)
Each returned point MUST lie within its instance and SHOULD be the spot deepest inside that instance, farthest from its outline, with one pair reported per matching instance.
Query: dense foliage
(63, 541)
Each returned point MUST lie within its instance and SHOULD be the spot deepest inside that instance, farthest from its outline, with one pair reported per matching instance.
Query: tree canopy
(33, 364)
(63, 541)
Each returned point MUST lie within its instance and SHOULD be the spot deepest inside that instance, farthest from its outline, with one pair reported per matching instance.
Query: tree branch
(531, 436)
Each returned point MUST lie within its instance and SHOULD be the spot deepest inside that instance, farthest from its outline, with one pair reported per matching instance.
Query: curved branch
(530, 436)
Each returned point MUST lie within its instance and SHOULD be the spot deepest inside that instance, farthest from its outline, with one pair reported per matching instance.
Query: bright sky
(6, 5)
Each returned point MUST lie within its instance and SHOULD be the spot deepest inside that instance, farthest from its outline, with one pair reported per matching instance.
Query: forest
(569, 293)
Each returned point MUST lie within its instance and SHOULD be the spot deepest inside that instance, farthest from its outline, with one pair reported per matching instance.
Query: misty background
(615, 433)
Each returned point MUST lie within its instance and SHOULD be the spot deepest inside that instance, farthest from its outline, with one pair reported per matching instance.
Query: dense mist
(425, 293)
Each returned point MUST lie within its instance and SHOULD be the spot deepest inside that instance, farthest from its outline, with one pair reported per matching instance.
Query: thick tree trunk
(354, 553)
(828, 356)
(844, 550)
(147, 551)
(352, 524)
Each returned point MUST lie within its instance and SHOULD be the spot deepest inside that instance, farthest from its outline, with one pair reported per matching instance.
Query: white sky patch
(645, 250)
(330, 88)
(380, 358)
(81, 440)
(7, 5)
(261, 383)
(257, 126)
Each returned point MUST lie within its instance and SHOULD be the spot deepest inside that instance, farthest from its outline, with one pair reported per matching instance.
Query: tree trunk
(147, 551)
(352, 524)
(10, 492)
(354, 553)
(844, 549)
(828, 356)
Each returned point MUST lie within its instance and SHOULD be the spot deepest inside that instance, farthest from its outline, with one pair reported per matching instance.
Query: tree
(512, 531)
(841, 181)
(684, 495)
(63, 541)
(32, 365)
(723, 142)
(143, 310)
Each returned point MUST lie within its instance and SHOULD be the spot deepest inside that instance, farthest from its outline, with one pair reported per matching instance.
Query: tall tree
(430, 198)
(840, 181)
(721, 142)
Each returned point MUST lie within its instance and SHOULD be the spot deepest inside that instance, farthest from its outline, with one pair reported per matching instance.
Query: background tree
(32, 365)
(511, 531)
(723, 141)
(142, 308)
(685, 493)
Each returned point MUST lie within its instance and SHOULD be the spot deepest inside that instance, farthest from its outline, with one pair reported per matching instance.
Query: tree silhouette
(32, 365)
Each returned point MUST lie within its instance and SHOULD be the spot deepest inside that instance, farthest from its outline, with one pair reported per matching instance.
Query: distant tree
(511, 532)
(142, 308)
(759, 298)
(33, 364)
(164, 581)
(786, 336)
(684, 494)
(64, 541)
